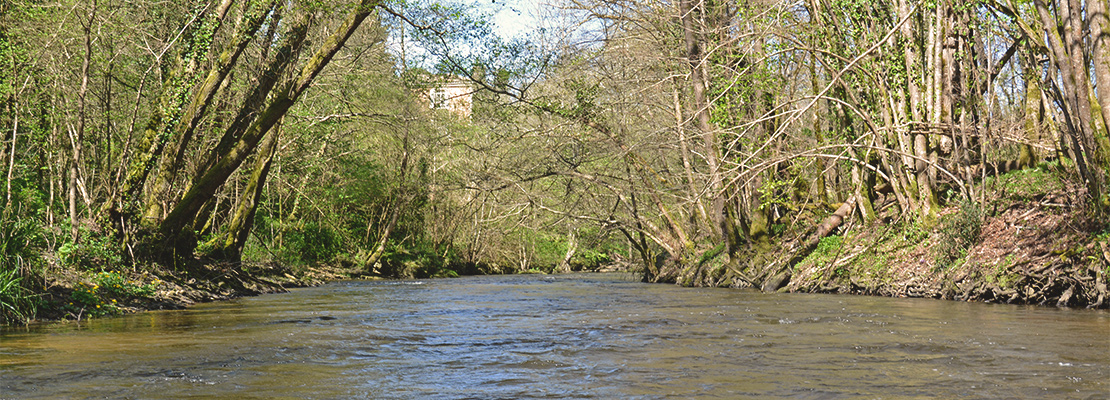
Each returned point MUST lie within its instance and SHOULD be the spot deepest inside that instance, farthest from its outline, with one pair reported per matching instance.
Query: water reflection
(581, 336)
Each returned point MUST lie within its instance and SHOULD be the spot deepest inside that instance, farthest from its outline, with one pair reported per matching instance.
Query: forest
(160, 153)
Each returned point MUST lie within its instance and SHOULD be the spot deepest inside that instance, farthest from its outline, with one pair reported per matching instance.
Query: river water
(587, 336)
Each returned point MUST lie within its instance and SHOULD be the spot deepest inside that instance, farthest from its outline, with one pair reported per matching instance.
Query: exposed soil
(176, 289)
(1037, 245)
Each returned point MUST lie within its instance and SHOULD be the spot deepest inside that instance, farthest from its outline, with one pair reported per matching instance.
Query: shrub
(315, 243)
(117, 285)
(585, 259)
(958, 233)
(87, 299)
(92, 252)
(21, 241)
(826, 249)
(17, 303)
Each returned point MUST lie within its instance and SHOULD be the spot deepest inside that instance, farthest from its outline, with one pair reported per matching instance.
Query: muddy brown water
(589, 336)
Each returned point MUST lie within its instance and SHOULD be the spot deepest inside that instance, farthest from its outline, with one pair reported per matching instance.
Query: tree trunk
(242, 220)
(694, 42)
(572, 247)
(1034, 113)
(77, 138)
(183, 214)
(401, 202)
(196, 109)
(687, 167)
(1065, 50)
(1098, 12)
(9, 156)
(168, 111)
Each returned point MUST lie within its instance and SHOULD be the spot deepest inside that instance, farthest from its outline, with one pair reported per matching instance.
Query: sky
(512, 17)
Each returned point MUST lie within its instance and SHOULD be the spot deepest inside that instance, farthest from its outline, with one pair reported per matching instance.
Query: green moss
(825, 252)
(1027, 184)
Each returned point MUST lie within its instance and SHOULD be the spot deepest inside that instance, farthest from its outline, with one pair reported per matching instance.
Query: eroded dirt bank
(75, 296)
(1031, 241)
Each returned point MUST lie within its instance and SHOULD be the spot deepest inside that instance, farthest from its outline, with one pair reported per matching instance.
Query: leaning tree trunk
(1065, 48)
(173, 228)
(196, 109)
(242, 220)
(401, 202)
(158, 131)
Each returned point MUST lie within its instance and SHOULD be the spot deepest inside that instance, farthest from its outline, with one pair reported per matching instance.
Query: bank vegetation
(158, 153)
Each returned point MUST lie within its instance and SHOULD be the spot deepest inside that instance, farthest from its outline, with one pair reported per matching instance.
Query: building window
(438, 98)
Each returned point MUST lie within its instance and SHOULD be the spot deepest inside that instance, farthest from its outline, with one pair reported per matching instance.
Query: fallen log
(776, 278)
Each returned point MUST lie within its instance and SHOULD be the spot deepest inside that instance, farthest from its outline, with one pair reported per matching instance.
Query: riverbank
(70, 294)
(74, 295)
(1032, 241)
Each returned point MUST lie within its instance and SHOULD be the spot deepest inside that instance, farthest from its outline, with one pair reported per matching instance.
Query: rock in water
(777, 282)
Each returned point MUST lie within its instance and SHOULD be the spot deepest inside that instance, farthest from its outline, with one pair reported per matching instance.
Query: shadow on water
(567, 336)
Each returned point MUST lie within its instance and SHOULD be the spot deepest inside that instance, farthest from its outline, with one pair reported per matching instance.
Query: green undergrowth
(826, 251)
(1028, 184)
(995, 249)
(17, 302)
(958, 232)
(104, 293)
(21, 263)
(869, 257)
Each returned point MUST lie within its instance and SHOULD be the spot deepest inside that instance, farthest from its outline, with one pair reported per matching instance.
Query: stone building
(454, 95)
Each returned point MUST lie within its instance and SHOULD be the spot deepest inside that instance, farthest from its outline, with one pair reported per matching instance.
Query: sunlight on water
(571, 336)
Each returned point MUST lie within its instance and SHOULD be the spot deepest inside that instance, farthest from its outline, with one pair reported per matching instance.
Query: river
(582, 336)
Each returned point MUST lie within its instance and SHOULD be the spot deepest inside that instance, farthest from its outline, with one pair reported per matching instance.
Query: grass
(102, 296)
(1027, 184)
(825, 252)
(17, 303)
(20, 240)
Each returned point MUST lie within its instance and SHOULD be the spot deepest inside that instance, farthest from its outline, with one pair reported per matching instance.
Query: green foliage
(102, 296)
(418, 261)
(93, 252)
(17, 303)
(958, 232)
(914, 231)
(829, 246)
(85, 294)
(1028, 184)
(20, 241)
(547, 250)
(1001, 275)
(87, 299)
(21, 244)
(773, 193)
(115, 284)
(588, 259)
(826, 250)
(314, 243)
(464, 36)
